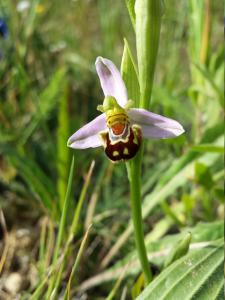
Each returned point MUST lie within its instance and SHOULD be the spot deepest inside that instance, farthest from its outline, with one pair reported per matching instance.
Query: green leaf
(176, 176)
(219, 193)
(210, 80)
(148, 24)
(62, 150)
(30, 21)
(211, 135)
(198, 275)
(130, 6)
(5, 137)
(203, 175)
(207, 231)
(37, 181)
(207, 148)
(76, 263)
(129, 74)
(47, 101)
(178, 180)
(158, 249)
(196, 17)
(178, 250)
(61, 234)
(138, 286)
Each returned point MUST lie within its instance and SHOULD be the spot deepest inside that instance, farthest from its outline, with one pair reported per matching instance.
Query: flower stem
(134, 175)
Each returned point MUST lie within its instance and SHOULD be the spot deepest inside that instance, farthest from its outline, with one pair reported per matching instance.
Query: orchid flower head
(120, 128)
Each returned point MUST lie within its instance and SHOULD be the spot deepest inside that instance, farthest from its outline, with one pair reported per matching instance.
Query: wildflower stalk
(148, 23)
(130, 76)
(134, 175)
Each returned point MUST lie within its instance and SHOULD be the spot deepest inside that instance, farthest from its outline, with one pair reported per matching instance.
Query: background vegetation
(48, 89)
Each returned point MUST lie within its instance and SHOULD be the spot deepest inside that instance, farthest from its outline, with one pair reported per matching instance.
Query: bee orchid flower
(120, 128)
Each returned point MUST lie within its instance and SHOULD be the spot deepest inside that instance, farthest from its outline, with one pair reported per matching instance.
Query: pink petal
(93, 141)
(88, 135)
(154, 125)
(111, 81)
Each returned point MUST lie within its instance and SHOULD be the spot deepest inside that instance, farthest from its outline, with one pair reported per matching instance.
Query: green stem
(134, 175)
(148, 23)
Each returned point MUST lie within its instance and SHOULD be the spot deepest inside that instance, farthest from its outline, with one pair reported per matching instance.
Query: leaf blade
(185, 277)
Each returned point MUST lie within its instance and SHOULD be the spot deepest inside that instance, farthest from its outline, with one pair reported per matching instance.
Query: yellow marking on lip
(115, 153)
(126, 151)
(135, 140)
(103, 137)
(136, 130)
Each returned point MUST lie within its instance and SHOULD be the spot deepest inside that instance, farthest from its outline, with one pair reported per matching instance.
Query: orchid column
(147, 28)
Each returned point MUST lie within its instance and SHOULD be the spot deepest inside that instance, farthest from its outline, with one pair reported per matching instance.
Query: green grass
(48, 89)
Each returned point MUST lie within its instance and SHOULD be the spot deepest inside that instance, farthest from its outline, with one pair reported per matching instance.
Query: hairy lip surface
(118, 128)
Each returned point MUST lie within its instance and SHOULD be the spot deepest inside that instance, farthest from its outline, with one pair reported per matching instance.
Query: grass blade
(76, 263)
